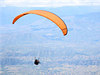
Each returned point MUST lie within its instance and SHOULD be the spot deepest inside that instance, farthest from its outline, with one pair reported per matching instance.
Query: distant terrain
(76, 53)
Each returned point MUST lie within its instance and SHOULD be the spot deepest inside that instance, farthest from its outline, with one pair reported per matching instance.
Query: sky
(48, 3)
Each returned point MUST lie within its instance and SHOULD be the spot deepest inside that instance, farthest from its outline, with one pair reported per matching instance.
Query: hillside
(83, 31)
(21, 42)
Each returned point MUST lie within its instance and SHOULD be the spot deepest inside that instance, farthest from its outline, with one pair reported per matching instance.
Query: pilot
(36, 62)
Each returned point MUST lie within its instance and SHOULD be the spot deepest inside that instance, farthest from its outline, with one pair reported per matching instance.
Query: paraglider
(36, 61)
(54, 18)
(51, 16)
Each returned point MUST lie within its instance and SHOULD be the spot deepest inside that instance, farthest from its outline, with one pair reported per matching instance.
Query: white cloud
(49, 34)
(47, 3)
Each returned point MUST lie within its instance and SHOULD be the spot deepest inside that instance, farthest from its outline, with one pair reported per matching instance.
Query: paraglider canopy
(51, 16)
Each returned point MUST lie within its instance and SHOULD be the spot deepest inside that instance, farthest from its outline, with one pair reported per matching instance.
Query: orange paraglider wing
(57, 20)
